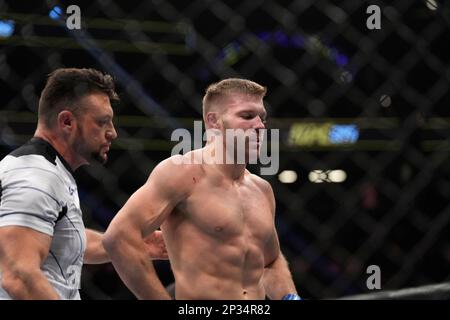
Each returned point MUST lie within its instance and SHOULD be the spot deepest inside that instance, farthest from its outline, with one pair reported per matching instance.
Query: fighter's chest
(226, 212)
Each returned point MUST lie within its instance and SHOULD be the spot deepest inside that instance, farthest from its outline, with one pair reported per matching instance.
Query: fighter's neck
(234, 172)
(230, 169)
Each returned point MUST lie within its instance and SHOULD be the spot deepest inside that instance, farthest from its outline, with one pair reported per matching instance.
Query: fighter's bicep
(152, 203)
(149, 206)
(272, 248)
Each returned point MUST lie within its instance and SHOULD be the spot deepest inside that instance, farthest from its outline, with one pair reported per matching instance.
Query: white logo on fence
(373, 281)
(74, 19)
(374, 20)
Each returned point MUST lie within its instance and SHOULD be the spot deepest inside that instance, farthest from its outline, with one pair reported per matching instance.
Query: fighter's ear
(212, 120)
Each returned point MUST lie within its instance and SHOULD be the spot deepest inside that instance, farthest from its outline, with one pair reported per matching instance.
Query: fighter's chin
(252, 155)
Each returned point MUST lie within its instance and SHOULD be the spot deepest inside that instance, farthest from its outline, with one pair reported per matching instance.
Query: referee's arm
(22, 251)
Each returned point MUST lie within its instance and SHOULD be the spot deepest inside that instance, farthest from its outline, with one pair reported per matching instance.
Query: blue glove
(291, 296)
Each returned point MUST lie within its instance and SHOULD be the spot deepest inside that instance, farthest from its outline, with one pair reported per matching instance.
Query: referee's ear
(66, 121)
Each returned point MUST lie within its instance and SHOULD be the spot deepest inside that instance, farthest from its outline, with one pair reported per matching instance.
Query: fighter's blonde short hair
(224, 88)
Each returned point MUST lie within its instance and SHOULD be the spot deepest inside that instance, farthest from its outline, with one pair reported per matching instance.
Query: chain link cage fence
(363, 114)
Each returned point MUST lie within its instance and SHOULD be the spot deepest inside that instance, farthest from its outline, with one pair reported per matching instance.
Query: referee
(43, 241)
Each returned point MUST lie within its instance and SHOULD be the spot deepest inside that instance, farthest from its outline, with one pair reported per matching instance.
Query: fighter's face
(247, 113)
(95, 129)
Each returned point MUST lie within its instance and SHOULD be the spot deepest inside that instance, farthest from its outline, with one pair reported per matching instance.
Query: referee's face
(95, 128)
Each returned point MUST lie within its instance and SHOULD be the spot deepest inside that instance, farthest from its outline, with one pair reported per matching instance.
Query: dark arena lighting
(338, 111)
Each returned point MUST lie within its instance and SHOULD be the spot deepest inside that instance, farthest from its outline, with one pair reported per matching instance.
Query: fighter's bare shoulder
(264, 186)
(176, 171)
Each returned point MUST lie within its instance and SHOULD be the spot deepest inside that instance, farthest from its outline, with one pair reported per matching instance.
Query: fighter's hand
(291, 296)
(155, 246)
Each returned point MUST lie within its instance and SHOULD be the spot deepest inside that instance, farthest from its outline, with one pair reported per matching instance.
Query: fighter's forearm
(28, 285)
(134, 267)
(95, 252)
(277, 279)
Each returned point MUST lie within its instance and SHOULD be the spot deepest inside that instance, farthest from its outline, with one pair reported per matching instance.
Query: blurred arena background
(363, 115)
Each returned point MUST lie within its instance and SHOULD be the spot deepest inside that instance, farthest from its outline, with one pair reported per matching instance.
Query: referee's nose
(111, 133)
